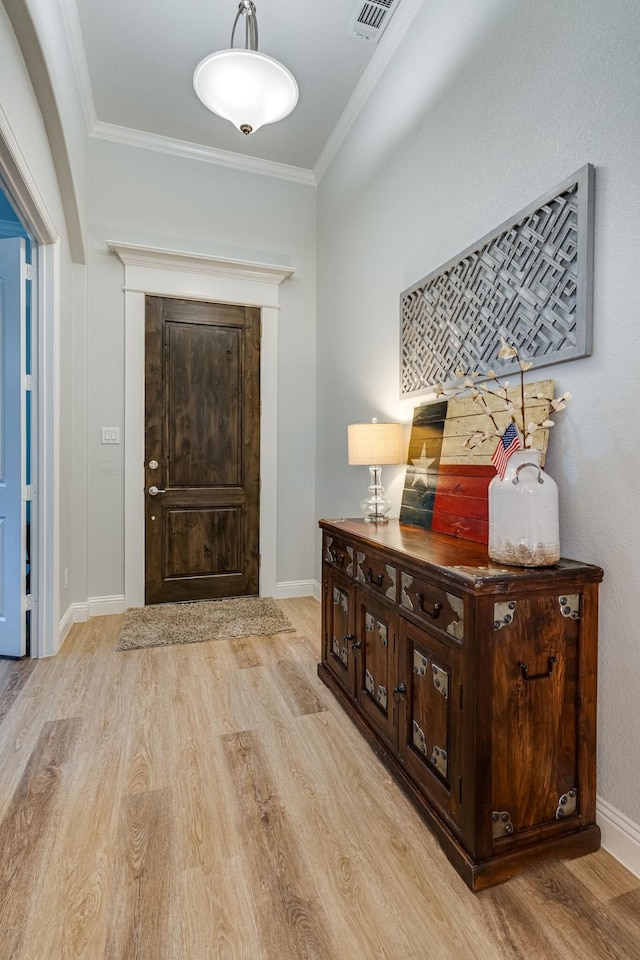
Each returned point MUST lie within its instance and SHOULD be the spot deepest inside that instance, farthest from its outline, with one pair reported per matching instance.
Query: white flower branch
(498, 390)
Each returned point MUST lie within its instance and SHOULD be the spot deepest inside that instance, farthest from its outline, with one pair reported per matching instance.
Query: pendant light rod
(247, 9)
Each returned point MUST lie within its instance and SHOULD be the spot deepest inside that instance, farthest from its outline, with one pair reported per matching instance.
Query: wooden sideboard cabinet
(476, 685)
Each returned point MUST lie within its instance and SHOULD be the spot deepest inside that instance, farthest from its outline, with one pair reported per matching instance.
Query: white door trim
(48, 496)
(174, 273)
(23, 190)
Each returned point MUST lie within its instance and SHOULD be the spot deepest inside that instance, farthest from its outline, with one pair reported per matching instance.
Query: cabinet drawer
(432, 605)
(378, 576)
(338, 554)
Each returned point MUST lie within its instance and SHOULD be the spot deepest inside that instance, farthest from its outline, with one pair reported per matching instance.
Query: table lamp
(373, 444)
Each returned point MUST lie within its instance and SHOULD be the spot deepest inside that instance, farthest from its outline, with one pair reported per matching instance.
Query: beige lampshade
(375, 443)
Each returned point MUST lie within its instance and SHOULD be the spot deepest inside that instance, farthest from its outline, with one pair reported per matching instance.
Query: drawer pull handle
(399, 691)
(538, 676)
(378, 580)
(437, 607)
(337, 560)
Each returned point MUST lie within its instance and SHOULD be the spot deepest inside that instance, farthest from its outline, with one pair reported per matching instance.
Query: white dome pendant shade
(244, 86)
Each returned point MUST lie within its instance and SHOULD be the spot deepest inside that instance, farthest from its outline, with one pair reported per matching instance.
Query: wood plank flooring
(212, 802)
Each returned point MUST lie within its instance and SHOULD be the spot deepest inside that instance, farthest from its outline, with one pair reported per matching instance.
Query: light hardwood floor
(212, 801)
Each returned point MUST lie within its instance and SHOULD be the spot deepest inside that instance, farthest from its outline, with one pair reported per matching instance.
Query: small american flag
(507, 444)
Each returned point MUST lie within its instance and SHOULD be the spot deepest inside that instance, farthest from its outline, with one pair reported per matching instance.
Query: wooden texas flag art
(447, 480)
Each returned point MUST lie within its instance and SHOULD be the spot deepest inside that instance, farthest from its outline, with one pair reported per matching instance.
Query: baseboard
(295, 588)
(620, 835)
(93, 607)
(317, 590)
(104, 606)
(76, 613)
(66, 623)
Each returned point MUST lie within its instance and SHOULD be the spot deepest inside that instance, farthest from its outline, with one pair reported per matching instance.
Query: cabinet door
(429, 721)
(535, 736)
(376, 667)
(339, 629)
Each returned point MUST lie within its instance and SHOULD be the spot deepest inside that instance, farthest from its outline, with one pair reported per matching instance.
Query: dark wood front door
(202, 450)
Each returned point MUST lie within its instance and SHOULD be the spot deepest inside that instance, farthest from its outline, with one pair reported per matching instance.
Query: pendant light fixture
(244, 86)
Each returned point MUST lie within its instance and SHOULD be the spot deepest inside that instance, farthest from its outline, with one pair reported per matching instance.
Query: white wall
(141, 196)
(485, 107)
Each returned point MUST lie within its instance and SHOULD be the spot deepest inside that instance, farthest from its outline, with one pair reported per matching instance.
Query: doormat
(162, 624)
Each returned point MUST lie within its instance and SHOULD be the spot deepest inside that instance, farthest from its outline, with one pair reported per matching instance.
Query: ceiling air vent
(371, 18)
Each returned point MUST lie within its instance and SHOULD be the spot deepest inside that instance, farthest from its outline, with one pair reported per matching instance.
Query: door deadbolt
(153, 464)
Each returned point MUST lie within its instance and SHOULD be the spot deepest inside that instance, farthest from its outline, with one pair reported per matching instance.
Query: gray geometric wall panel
(529, 281)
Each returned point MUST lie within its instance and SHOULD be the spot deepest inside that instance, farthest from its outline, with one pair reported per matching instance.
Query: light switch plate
(111, 434)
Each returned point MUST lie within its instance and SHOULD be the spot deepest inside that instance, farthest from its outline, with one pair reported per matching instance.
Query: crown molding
(194, 151)
(137, 255)
(399, 24)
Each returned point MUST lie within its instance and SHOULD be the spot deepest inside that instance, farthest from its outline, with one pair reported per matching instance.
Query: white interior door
(12, 448)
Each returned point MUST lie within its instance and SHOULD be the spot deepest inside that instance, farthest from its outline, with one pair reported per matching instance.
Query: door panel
(535, 689)
(202, 404)
(203, 542)
(12, 455)
(429, 720)
(376, 662)
(205, 431)
(338, 641)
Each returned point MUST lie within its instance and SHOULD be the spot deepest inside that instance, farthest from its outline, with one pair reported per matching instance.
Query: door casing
(167, 273)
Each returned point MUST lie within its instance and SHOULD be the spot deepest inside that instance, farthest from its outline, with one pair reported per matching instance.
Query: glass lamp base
(375, 507)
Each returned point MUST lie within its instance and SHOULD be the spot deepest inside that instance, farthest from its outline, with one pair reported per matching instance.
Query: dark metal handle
(437, 607)
(351, 638)
(399, 691)
(339, 561)
(538, 676)
(378, 581)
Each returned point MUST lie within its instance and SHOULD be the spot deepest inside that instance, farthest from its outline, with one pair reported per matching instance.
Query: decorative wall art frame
(530, 281)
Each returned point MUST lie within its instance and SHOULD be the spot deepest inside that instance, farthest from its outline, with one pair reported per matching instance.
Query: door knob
(153, 491)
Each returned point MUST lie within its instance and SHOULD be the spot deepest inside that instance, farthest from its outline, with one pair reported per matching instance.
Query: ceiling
(140, 56)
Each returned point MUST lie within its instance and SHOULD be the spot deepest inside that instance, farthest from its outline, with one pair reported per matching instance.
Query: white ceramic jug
(523, 514)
